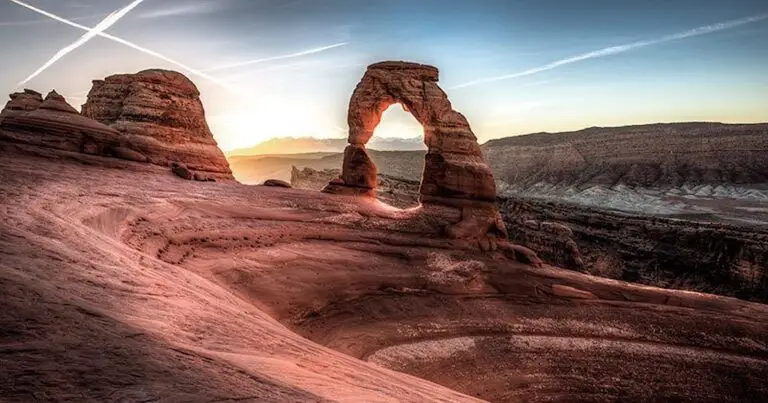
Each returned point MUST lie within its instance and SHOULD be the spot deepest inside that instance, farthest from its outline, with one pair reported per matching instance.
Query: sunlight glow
(396, 122)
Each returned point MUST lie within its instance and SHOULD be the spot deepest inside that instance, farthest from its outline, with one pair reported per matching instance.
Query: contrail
(621, 49)
(131, 45)
(273, 58)
(107, 22)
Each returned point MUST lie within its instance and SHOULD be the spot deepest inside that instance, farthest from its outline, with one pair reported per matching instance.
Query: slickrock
(456, 175)
(161, 116)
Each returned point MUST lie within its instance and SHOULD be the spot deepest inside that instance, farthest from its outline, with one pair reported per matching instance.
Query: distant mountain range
(302, 145)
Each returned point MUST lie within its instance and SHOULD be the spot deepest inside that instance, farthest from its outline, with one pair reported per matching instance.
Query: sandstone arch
(455, 172)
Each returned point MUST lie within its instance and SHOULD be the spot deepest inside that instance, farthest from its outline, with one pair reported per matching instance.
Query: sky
(276, 68)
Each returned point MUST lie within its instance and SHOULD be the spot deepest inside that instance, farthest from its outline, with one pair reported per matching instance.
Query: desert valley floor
(122, 282)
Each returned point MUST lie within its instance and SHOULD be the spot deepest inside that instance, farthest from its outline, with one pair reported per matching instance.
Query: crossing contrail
(621, 49)
(107, 22)
(273, 58)
(132, 45)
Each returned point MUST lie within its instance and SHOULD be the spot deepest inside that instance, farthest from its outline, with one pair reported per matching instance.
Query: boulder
(277, 183)
(182, 171)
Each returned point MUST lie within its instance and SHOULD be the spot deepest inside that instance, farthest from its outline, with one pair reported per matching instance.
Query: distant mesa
(652, 155)
(154, 116)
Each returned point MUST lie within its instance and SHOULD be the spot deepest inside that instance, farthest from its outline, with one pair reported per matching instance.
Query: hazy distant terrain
(681, 169)
(308, 145)
(252, 170)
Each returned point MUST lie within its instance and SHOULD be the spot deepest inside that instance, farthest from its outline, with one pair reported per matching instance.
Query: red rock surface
(180, 291)
(455, 173)
(160, 115)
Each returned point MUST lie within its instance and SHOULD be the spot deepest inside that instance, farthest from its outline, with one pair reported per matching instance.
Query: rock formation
(29, 120)
(554, 242)
(160, 116)
(21, 102)
(455, 173)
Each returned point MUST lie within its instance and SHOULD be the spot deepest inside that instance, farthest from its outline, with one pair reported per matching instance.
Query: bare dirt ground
(133, 285)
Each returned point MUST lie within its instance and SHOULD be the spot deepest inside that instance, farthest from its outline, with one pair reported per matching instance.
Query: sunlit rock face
(455, 172)
(160, 116)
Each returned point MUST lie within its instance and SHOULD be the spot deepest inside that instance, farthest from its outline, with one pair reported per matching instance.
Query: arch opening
(399, 171)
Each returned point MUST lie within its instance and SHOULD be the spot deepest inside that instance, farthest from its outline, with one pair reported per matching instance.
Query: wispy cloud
(707, 29)
(189, 8)
(132, 45)
(281, 57)
(46, 21)
(107, 22)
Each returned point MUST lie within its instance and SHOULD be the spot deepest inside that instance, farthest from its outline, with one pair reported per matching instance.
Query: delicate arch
(454, 168)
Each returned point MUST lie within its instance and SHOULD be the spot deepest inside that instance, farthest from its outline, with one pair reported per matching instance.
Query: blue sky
(512, 67)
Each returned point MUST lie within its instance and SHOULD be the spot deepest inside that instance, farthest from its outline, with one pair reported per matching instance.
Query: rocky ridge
(654, 155)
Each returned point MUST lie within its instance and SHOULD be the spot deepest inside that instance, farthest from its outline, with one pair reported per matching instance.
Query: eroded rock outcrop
(30, 120)
(160, 116)
(21, 102)
(457, 185)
